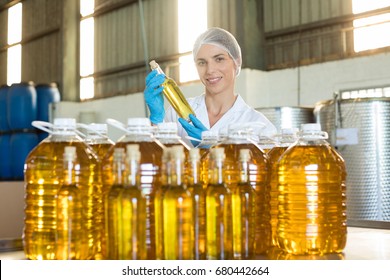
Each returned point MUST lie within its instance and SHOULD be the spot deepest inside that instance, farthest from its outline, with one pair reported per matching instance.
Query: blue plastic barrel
(5, 158)
(3, 108)
(22, 105)
(22, 143)
(46, 94)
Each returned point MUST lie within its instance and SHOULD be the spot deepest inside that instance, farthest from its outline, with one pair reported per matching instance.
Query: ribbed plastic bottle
(311, 180)
(173, 94)
(140, 131)
(97, 138)
(198, 193)
(113, 215)
(240, 136)
(243, 210)
(209, 139)
(218, 210)
(286, 138)
(133, 205)
(177, 210)
(71, 235)
(43, 178)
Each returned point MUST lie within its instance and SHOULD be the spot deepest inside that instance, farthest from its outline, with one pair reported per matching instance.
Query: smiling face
(216, 69)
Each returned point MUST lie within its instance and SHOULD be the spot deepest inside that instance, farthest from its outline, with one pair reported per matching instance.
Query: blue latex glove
(154, 97)
(194, 130)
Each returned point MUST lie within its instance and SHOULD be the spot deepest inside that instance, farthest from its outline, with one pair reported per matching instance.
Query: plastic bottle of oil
(140, 131)
(44, 176)
(133, 209)
(97, 138)
(174, 95)
(166, 170)
(243, 210)
(240, 136)
(71, 238)
(286, 138)
(198, 193)
(311, 179)
(177, 211)
(218, 210)
(113, 209)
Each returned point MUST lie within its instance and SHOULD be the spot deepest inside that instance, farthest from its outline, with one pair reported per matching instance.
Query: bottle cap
(70, 153)
(245, 155)
(289, 131)
(132, 152)
(209, 134)
(137, 122)
(311, 127)
(217, 153)
(167, 127)
(98, 127)
(65, 123)
(118, 154)
(194, 154)
(153, 64)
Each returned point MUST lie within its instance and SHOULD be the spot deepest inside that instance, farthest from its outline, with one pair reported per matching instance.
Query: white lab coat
(240, 112)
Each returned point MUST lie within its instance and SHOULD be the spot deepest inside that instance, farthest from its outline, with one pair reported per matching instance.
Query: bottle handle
(86, 127)
(43, 126)
(117, 124)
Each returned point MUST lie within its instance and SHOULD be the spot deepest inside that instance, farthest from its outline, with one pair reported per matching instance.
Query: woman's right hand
(154, 97)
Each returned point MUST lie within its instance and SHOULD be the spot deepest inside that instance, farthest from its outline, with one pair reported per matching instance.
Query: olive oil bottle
(243, 210)
(174, 95)
(218, 210)
(198, 193)
(133, 209)
(71, 237)
(113, 216)
(177, 211)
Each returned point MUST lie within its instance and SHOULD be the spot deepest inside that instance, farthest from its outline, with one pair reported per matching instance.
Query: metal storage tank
(285, 117)
(368, 159)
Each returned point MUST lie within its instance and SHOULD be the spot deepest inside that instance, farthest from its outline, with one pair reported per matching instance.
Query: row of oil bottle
(149, 196)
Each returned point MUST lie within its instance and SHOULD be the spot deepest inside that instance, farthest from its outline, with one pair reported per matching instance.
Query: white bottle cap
(311, 127)
(98, 127)
(138, 122)
(65, 123)
(167, 127)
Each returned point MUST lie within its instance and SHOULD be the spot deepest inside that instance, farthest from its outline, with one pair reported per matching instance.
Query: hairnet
(222, 39)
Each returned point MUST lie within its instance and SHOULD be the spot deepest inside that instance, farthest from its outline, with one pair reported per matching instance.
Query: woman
(217, 57)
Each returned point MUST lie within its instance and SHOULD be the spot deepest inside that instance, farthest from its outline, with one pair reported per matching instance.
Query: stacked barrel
(20, 104)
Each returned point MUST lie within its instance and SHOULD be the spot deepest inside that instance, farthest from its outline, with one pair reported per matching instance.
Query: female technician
(217, 57)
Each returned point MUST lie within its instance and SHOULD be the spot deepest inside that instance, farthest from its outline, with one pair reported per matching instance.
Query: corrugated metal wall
(300, 32)
(42, 52)
(119, 49)
(41, 41)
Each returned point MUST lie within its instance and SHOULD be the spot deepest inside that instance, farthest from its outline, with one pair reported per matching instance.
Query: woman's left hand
(194, 130)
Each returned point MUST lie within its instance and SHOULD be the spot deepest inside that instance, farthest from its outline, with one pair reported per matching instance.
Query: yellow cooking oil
(96, 136)
(283, 140)
(218, 210)
(43, 178)
(311, 182)
(243, 210)
(240, 136)
(113, 209)
(133, 205)
(71, 237)
(139, 131)
(173, 94)
(177, 211)
(198, 193)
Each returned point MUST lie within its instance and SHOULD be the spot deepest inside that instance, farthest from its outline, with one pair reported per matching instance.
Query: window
(14, 53)
(372, 32)
(192, 20)
(87, 89)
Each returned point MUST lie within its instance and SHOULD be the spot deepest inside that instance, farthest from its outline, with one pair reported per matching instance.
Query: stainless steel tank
(285, 117)
(368, 159)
